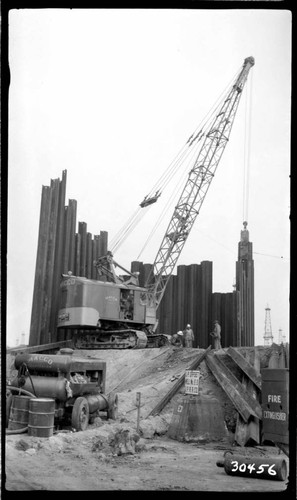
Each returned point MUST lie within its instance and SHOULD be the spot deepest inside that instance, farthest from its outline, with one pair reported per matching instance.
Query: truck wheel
(112, 411)
(80, 414)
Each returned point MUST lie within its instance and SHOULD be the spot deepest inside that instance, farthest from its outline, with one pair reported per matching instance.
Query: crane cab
(87, 303)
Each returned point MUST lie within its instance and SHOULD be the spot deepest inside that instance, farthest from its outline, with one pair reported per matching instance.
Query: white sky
(112, 96)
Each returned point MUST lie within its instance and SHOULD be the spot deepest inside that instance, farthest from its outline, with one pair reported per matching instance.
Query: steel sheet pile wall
(59, 250)
(187, 299)
(224, 310)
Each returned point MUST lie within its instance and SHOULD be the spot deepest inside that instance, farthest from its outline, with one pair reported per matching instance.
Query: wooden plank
(244, 404)
(245, 366)
(194, 365)
(41, 347)
(248, 432)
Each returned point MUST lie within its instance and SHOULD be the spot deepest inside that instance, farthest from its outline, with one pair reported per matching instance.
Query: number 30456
(252, 467)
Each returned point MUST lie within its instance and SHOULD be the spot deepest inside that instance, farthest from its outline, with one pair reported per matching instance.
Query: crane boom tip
(250, 60)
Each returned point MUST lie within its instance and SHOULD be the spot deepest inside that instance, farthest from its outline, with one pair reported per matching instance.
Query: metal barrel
(19, 412)
(261, 467)
(41, 417)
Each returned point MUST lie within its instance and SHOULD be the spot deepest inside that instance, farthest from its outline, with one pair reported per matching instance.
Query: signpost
(192, 381)
(138, 397)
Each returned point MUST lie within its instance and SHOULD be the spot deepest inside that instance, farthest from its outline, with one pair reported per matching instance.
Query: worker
(177, 339)
(188, 336)
(216, 334)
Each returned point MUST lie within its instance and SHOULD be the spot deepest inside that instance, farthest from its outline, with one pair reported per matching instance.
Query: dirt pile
(152, 373)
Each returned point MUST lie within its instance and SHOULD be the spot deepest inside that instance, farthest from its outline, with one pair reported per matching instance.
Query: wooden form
(54, 346)
(249, 432)
(245, 366)
(173, 390)
(243, 402)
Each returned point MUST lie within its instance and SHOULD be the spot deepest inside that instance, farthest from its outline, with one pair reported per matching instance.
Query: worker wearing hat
(188, 336)
(177, 339)
(216, 334)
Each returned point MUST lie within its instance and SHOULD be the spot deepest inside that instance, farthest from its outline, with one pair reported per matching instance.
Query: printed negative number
(251, 467)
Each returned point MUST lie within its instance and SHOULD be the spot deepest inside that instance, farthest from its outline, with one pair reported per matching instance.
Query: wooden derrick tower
(268, 337)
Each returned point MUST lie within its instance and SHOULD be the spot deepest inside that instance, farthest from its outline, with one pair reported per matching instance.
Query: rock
(140, 445)
(53, 443)
(160, 424)
(31, 451)
(22, 445)
(147, 429)
(97, 422)
(124, 441)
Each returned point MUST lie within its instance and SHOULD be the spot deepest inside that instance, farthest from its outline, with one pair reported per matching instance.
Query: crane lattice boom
(195, 189)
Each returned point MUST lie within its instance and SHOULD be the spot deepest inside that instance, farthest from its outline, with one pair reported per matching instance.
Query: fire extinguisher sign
(192, 381)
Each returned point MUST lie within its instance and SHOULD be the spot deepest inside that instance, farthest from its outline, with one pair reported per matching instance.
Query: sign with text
(192, 381)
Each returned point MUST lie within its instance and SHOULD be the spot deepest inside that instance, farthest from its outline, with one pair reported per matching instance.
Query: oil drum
(41, 417)
(19, 412)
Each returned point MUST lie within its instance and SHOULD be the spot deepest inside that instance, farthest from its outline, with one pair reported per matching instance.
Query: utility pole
(268, 337)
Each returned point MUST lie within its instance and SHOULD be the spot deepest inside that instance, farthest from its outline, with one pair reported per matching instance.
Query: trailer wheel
(112, 410)
(80, 414)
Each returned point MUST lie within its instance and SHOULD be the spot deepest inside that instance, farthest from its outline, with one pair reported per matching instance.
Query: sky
(111, 96)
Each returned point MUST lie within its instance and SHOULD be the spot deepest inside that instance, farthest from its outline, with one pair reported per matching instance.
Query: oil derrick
(245, 290)
(268, 337)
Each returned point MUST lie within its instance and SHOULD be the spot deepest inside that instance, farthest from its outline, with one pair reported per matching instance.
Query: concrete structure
(245, 287)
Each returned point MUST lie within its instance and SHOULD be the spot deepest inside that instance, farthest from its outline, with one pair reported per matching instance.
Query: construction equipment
(115, 312)
(76, 384)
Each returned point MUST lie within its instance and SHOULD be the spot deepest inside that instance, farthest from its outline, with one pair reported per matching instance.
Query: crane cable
(203, 125)
(247, 149)
(184, 156)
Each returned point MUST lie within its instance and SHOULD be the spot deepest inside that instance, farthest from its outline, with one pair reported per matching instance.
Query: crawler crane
(117, 313)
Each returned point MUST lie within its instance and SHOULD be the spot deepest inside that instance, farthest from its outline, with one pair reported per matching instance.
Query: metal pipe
(14, 388)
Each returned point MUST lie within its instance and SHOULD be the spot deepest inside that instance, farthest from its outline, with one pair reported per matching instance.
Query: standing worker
(177, 339)
(188, 336)
(216, 334)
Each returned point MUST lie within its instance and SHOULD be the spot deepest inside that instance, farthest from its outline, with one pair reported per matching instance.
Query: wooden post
(138, 398)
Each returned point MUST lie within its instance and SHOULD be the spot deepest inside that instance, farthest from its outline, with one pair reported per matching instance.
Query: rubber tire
(8, 406)
(80, 414)
(112, 410)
